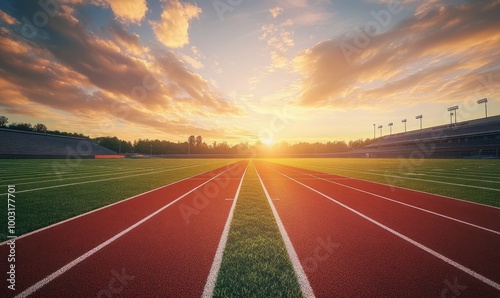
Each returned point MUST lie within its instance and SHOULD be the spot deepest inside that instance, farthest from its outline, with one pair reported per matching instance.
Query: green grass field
(255, 262)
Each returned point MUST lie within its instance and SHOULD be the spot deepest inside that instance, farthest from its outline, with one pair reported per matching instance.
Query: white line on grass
(417, 244)
(305, 286)
(107, 179)
(103, 207)
(214, 270)
(398, 202)
(81, 258)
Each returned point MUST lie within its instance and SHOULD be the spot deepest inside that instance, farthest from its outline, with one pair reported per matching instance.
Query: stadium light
(380, 126)
(404, 121)
(485, 101)
(390, 127)
(451, 117)
(453, 108)
(374, 130)
(419, 117)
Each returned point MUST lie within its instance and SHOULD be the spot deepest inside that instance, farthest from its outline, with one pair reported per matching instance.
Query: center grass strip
(255, 261)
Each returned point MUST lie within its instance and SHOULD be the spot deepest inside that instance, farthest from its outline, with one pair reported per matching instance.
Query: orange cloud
(173, 28)
(87, 74)
(275, 11)
(7, 18)
(129, 11)
(447, 46)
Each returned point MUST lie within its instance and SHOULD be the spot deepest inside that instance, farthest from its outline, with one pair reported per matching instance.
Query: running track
(361, 239)
(158, 244)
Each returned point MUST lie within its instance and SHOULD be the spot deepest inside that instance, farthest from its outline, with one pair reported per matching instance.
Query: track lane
(42, 253)
(478, 214)
(364, 259)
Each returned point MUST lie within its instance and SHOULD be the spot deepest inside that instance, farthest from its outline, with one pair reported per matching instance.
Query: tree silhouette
(3, 121)
(39, 127)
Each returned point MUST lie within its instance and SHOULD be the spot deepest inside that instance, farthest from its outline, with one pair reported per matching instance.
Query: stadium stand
(469, 139)
(25, 144)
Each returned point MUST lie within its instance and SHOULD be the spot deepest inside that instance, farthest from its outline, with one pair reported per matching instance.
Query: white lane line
(103, 207)
(76, 174)
(107, 179)
(410, 178)
(405, 204)
(305, 286)
(81, 258)
(417, 244)
(72, 177)
(214, 270)
(400, 187)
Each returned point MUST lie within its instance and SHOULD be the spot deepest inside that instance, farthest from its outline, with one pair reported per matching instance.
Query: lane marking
(405, 204)
(107, 179)
(423, 172)
(81, 258)
(214, 270)
(395, 186)
(304, 284)
(104, 207)
(411, 178)
(415, 243)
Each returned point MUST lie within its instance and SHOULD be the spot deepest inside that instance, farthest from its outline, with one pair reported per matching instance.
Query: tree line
(196, 144)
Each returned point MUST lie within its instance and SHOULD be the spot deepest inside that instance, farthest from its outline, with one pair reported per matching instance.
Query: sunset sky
(243, 70)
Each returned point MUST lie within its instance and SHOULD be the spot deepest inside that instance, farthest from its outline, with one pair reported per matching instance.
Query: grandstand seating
(24, 144)
(472, 139)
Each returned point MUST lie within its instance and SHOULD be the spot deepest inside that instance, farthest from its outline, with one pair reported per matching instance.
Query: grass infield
(255, 261)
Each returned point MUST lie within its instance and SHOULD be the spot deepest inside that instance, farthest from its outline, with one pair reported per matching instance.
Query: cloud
(278, 40)
(275, 11)
(129, 11)
(453, 46)
(4, 17)
(173, 28)
(195, 59)
(125, 39)
(87, 74)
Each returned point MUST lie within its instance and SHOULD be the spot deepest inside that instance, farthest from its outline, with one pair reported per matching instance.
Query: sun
(267, 141)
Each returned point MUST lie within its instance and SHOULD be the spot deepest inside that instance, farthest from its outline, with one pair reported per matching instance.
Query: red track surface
(346, 255)
(163, 257)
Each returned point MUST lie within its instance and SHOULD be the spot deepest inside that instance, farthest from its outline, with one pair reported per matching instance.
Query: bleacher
(469, 139)
(25, 144)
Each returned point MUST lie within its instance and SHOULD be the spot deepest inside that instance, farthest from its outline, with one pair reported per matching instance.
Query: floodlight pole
(404, 121)
(451, 117)
(419, 117)
(390, 128)
(453, 110)
(485, 101)
(374, 131)
(380, 126)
